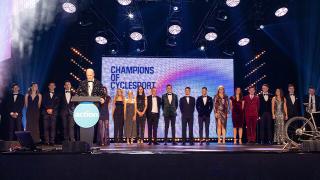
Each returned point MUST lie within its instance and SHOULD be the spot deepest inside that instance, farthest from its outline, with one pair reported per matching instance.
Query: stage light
(261, 26)
(281, 12)
(243, 41)
(174, 29)
(101, 40)
(101, 37)
(202, 48)
(232, 3)
(69, 7)
(171, 41)
(211, 36)
(136, 36)
(124, 2)
(113, 48)
(175, 8)
(222, 15)
(131, 15)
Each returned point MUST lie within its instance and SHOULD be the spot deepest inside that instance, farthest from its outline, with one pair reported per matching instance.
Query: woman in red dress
(237, 114)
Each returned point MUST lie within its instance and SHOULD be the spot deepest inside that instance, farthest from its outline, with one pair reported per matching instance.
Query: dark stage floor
(178, 162)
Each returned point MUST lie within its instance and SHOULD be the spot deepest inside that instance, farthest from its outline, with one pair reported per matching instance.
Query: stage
(162, 162)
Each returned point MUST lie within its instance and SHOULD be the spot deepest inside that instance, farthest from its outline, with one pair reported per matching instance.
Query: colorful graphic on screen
(127, 73)
(5, 30)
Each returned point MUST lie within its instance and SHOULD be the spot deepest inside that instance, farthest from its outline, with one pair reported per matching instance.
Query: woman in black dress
(33, 103)
(103, 136)
(118, 115)
(141, 113)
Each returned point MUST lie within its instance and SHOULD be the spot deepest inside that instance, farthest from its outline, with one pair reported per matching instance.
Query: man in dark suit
(67, 107)
(153, 114)
(265, 123)
(187, 105)
(204, 107)
(293, 102)
(50, 105)
(90, 86)
(313, 102)
(14, 105)
(251, 109)
(169, 108)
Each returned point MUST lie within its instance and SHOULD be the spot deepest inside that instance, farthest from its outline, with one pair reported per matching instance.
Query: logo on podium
(86, 114)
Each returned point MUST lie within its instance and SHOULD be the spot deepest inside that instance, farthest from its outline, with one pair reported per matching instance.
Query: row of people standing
(131, 114)
(37, 104)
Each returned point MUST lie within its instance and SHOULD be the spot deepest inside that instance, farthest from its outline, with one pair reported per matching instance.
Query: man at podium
(91, 86)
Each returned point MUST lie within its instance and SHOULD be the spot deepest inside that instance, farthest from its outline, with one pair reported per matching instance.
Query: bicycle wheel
(298, 129)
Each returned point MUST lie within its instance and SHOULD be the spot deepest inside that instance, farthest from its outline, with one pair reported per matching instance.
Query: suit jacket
(187, 109)
(66, 108)
(265, 106)
(50, 103)
(16, 106)
(204, 110)
(149, 105)
(96, 91)
(293, 108)
(306, 100)
(251, 106)
(167, 108)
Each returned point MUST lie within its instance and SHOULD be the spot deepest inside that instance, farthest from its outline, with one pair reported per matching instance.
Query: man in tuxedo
(251, 108)
(91, 86)
(153, 114)
(204, 107)
(265, 123)
(50, 105)
(169, 108)
(187, 105)
(14, 105)
(66, 112)
(293, 104)
(313, 102)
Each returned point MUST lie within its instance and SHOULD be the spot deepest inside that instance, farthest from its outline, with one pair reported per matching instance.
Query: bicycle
(299, 129)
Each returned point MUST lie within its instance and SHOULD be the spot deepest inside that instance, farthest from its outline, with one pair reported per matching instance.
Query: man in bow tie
(14, 105)
(67, 108)
(91, 86)
(265, 123)
(293, 102)
(50, 104)
(204, 106)
(187, 105)
(169, 106)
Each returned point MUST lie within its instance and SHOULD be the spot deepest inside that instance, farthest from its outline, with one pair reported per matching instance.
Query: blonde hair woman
(221, 108)
(118, 115)
(130, 124)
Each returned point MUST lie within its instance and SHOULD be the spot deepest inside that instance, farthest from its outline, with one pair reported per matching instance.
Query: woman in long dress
(279, 114)
(103, 135)
(130, 125)
(221, 107)
(118, 115)
(141, 102)
(237, 115)
(33, 103)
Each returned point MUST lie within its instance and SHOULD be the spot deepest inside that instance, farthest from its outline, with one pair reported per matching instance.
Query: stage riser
(204, 166)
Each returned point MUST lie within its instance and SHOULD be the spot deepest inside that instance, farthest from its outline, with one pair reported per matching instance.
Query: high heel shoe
(240, 141)
(128, 141)
(234, 141)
